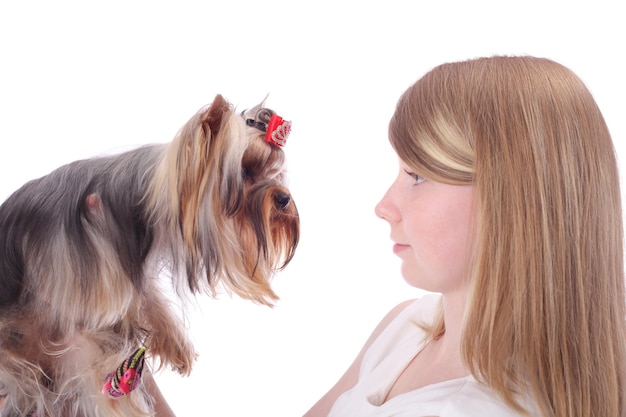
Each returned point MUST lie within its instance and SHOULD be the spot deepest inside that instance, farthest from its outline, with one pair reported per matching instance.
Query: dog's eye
(245, 173)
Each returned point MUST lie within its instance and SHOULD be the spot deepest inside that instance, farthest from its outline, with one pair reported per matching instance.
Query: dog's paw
(173, 350)
(184, 359)
(184, 364)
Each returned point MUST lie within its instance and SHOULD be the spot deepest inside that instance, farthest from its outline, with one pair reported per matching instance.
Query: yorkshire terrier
(84, 249)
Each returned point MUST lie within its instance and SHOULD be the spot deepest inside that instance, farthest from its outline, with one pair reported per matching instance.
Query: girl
(507, 208)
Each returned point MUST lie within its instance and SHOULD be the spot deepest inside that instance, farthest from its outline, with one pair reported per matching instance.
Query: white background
(82, 78)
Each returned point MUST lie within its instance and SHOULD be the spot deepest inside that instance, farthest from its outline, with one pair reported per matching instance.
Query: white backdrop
(80, 78)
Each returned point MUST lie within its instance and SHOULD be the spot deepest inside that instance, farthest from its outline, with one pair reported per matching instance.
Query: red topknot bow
(126, 377)
(278, 130)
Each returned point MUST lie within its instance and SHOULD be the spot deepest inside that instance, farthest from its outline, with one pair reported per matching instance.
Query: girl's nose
(385, 208)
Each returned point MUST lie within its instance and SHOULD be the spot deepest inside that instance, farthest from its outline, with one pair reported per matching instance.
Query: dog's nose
(282, 200)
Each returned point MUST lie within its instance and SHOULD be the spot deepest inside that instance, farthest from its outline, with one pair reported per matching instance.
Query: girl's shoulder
(475, 399)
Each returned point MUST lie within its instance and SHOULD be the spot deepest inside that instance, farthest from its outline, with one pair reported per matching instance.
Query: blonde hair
(546, 318)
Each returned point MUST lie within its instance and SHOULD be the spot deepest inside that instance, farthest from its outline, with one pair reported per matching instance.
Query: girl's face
(431, 227)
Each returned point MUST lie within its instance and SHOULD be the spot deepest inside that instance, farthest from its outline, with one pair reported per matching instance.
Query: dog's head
(238, 221)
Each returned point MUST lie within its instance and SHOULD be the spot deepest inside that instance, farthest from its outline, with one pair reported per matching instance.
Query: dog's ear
(215, 113)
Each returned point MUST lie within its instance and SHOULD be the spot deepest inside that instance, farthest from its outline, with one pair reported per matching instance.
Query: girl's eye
(417, 178)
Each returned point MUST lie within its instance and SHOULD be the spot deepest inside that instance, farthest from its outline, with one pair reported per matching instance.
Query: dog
(84, 252)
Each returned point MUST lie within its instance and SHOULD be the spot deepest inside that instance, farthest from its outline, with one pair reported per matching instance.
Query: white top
(390, 354)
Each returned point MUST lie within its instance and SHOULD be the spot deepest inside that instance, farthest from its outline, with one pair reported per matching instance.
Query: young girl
(507, 208)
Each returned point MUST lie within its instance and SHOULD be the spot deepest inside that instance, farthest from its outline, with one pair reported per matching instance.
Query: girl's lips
(398, 247)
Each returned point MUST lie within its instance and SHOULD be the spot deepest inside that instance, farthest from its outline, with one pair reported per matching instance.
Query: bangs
(430, 142)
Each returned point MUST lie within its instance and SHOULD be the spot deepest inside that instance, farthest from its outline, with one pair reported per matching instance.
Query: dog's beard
(270, 232)
(85, 247)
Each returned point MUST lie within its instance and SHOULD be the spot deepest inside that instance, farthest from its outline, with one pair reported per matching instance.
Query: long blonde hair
(547, 317)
